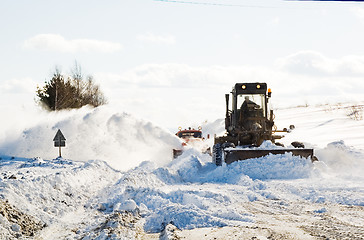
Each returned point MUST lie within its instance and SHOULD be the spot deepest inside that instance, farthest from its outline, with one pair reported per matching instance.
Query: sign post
(59, 141)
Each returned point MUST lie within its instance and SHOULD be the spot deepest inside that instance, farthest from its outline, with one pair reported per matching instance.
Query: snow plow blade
(233, 155)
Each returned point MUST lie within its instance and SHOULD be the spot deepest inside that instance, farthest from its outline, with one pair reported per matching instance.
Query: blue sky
(153, 57)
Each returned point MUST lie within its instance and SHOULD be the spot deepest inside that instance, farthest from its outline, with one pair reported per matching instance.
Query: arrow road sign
(59, 141)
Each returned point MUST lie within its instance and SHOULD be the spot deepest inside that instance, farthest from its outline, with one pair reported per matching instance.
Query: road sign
(59, 141)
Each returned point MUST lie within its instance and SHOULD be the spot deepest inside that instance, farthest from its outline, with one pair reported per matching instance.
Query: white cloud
(314, 63)
(306, 62)
(305, 77)
(160, 39)
(174, 76)
(56, 42)
(197, 93)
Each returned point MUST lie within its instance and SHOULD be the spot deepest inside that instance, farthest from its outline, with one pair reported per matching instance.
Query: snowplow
(248, 124)
(191, 138)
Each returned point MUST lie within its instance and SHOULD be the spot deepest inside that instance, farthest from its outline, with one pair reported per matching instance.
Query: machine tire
(217, 154)
(228, 145)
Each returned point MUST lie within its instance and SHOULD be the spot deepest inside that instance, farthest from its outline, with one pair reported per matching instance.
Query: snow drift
(192, 192)
(79, 197)
(102, 133)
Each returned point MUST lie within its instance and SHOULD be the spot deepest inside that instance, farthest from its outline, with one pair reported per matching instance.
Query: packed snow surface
(123, 184)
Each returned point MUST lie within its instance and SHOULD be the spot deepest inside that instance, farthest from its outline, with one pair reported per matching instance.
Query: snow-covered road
(273, 197)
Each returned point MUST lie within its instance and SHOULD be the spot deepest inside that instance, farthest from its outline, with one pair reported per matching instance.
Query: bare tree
(93, 94)
(74, 92)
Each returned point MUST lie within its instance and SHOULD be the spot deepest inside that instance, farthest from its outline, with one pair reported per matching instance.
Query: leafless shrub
(355, 112)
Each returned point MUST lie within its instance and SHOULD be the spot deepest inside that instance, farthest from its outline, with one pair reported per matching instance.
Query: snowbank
(102, 133)
(189, 192)
(91, 199)
(192, 193)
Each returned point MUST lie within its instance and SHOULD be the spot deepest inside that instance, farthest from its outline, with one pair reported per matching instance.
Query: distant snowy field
(121, 181)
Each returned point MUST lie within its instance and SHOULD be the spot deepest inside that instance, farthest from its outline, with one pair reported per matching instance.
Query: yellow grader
(248, 124)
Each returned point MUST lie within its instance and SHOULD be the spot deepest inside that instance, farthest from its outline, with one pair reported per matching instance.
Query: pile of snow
(89, 198)
(54, 192)
(46, 186)
(102, 133)
(342, 160)
(192, 193)
(78, 199)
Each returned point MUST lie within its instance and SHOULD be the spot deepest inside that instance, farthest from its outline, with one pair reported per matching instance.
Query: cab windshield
(255, 102)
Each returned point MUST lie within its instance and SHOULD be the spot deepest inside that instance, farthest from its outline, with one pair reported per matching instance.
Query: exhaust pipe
(227, 104)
